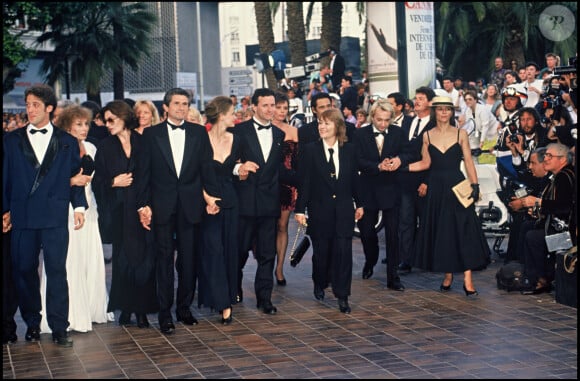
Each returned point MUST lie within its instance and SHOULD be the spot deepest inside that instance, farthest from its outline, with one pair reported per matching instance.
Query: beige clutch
(462, 192)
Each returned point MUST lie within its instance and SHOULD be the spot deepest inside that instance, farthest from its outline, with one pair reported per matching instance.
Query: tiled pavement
(418, 333)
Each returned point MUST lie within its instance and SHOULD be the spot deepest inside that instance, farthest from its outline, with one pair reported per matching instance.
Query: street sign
(240, 80)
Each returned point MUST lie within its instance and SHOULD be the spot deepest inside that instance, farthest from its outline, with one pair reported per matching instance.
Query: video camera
(571, 68)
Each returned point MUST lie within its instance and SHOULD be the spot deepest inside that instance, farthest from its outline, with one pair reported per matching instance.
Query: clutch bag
(299, 248)
(462, 192)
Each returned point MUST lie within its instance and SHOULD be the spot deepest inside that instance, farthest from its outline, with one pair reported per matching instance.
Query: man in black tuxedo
(170, 183)
(337, 68)
(398, 101)
(318, 104)
(413, 184)
(39, 161)
(348, 94)
(259, 196)
(380, 148)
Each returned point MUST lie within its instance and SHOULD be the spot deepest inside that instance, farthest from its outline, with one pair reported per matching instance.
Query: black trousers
(409, 212)
(9, 298)
(332, 263)
(370, 240)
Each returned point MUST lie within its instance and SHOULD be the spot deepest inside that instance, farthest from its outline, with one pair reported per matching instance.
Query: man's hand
(6, 222)
(247, 167)
(123, 180)
(422, 190)
(145, 215)
(79, 219)
(80, 180)
(358, 214)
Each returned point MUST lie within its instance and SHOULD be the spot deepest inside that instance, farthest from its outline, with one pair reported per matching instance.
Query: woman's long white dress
(85, 268)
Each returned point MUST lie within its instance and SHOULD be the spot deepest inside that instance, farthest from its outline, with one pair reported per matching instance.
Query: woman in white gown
(85, 267)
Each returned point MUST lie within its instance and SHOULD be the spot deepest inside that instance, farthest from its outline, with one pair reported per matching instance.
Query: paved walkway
(418, 333)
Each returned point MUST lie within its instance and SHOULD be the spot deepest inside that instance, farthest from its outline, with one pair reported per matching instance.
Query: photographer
(555, 210)
(567, 133)
(534, 182)
(513, 98)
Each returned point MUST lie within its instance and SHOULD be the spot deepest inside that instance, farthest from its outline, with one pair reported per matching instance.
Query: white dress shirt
(424, 121)
(265, 138)
(177, 142)
(334, 155)
(39, 141)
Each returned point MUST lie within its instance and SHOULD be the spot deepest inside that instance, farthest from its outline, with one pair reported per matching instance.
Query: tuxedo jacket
(38, 194)
(158, 183)
(381, 188)
(259, 194)
(330, 203)
(410, 181)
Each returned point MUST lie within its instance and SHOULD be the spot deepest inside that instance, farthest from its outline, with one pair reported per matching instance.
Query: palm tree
(265, 35)
(331, 31)
(296, 33)
(90, 38)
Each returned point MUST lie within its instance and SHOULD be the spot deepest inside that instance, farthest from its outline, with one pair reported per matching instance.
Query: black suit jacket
(329, 202)
(38, 194)
(156, 179)
(337, 72)
(349, 99)
(410, 181)
(382, 190)
(259, 194)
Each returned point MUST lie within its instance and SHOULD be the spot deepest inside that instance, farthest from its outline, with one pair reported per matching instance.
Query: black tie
(331, 163)
(381, 133)
(416, 132)
(173, 126)
(34, 130)
(261, 127)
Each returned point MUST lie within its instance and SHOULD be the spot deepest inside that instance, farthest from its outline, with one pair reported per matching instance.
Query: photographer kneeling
(533, 181)
(556, 208)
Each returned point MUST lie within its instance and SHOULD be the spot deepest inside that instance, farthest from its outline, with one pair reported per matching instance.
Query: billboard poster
(420, 32)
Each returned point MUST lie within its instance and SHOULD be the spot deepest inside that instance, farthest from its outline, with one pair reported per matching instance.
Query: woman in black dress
(450, 237)
(133, 281)
(218, 258)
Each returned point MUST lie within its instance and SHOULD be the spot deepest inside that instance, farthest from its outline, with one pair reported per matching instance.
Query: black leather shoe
(404, 268)
(186, 318)
(9, 338)
(61, 339)
(396, 285)
(343, 306)
(229, 319)
(166, 327)
(367, 272)
(125, 318)
(470, 294)
(444, 288)
(32, 334)
(142, 321)
(267, 308)
(318, 292)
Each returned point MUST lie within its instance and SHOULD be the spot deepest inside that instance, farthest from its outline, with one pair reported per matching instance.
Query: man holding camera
(556, 213)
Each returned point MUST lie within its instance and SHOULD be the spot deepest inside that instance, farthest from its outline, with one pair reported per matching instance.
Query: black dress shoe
(166, 327)
(318, 292)
(396, 285)
(32, 334)
(404, 268)
(281, 282)
(62, 340)
(343, 306)
(142, 321)
(9, 338)
(367, 272)
(470, 294)
(186, 318)
(229, 319)
(267, 308)
(125, 318)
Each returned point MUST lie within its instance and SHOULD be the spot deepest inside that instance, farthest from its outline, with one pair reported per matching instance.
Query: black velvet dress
(218, 256)
(450, 238)
(133, 287)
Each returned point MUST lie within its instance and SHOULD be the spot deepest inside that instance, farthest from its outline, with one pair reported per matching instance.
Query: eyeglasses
(111, 120)
(548, 155)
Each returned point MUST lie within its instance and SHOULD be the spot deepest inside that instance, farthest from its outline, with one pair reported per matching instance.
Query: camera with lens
(569, 69)
(521, 192)
(558, 225)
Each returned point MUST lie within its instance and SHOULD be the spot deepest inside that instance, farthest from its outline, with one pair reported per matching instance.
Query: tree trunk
(95, 96)
(265, 36)
(331, 31)
(296, 33)
(118, 83)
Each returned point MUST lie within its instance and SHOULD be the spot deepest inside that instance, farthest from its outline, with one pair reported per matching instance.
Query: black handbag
(566, 278)
(299, 249)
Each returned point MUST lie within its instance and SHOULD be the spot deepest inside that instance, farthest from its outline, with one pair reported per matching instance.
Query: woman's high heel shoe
(281, 282)
(444, 288)
(469, 293)
(229, 319)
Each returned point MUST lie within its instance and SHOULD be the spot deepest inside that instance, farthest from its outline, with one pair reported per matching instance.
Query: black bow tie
(261, 127)
(34, 130)
(173, 126)
(381, 133)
